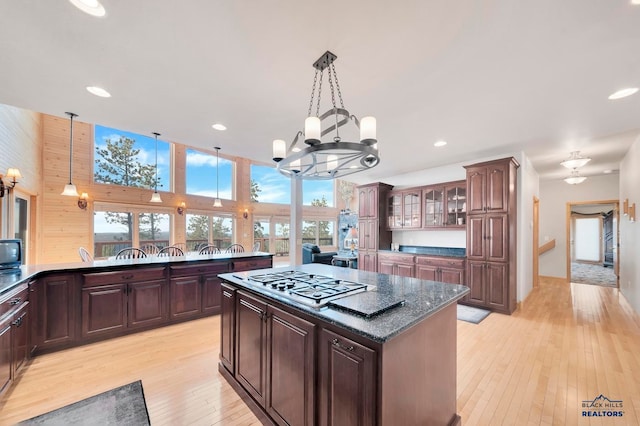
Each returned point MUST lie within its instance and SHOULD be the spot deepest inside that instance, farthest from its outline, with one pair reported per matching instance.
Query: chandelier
(334, 158)
(575, 161)
(574, 178)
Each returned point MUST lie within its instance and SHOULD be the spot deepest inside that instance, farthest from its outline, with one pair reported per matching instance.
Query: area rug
(587, 273)
(120, 406)
(471, 314)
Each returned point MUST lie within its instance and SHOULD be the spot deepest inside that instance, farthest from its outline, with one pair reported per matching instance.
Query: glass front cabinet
(433, 197)
(404, 209)
(445, 205)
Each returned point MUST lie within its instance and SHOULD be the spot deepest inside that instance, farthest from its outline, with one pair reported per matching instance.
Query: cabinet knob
(15, 301)
(17, 322)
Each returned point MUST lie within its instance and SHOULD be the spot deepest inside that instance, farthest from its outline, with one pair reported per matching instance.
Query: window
(112, 232)
(319, 232)
(281, 241)
(128, 159)
(261, 233)
(269, 186)
(203, 229)
(201, 175)
(318, 193)
(153, 229)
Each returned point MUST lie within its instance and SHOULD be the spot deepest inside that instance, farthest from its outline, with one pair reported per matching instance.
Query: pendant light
(155, 198)
(70, 188)
(217, 202)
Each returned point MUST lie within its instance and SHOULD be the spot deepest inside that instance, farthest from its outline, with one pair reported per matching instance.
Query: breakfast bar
(318, 344)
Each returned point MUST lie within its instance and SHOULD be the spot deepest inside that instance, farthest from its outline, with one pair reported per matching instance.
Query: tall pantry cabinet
(491, 234)
(373, 233)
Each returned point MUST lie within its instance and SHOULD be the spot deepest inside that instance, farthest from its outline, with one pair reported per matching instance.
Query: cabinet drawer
(395, 258)
(125, 276)
(448, 262)
(199, 269)
(13, 299)
(250, 264)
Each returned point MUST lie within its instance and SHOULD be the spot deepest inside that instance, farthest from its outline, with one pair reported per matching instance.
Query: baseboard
(554, 280)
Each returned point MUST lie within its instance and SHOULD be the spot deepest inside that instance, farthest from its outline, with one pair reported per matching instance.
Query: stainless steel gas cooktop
(306, 288)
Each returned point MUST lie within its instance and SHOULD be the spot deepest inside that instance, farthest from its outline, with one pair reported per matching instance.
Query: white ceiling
(488, 76)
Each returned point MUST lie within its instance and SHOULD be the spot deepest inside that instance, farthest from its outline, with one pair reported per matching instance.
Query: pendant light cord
(71, 115)
(217, 172)
(155, 187)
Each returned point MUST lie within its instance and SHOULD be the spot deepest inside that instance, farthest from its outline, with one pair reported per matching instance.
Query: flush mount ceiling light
(335, 158)
(155, 197)
(70, 188)
(574, 178)
(219, 126)
(98, 91)
(92, 7)
(575, 161)
(217, 202)
(623, 93)
(438, 144)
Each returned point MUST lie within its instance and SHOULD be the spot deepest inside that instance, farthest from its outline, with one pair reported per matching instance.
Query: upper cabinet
(488, 188)
(404, 209)
(445, 205)
(369, 202)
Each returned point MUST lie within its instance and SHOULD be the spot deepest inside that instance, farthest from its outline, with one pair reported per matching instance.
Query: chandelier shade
(574, 178)
(334, 158)
(575, 161)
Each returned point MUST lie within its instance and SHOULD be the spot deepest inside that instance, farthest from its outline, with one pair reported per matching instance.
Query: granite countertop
(12, 278)
(431, 251)
(422, 299)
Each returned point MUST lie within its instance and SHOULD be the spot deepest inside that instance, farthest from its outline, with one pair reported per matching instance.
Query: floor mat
(587, 273)
(471, 314)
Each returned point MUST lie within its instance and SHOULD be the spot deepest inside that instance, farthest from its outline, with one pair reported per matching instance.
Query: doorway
(592, 242)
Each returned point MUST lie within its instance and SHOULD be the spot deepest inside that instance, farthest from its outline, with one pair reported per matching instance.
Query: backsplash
(456, 238)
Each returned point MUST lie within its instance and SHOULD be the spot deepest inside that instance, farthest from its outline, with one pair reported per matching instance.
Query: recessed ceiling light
(219, 126)
(440, 143)
(606, 172)
(92, 7)
(635, 1)
(623, 93)
(98, 91)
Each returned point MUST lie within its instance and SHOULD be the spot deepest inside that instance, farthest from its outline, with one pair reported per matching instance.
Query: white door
(588, 239)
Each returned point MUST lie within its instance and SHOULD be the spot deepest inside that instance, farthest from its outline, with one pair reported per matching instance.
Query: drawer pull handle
(336, 343)
(127, 277)
(17, 322)
(15, 301)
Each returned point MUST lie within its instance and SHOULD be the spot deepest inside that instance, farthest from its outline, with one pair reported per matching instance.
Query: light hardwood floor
(566, 344)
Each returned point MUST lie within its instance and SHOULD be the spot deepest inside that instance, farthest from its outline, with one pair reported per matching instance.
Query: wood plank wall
(65, 227)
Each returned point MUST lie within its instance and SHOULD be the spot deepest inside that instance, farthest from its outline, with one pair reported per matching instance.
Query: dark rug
(471, 314)
(120, 406)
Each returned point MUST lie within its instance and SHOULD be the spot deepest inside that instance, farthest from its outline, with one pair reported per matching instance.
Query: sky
(201, 176)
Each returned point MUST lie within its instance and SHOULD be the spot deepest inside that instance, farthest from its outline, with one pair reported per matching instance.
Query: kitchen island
(377, 350)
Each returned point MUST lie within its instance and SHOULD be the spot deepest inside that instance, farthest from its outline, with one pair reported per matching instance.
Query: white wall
(630, 232)
(528, 187)
(554, 196)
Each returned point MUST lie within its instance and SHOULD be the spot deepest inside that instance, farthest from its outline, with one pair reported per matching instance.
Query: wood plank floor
(567, 343)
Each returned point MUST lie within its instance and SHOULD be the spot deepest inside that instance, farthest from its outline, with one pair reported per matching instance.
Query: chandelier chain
(313, 92)
(319, 93)
(333, 96)
(335, 74)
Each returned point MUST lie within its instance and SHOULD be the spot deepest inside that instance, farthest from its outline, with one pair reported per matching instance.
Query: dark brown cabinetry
(445, 205)
(114, 302)
(56, 299)
(491, 234)
(227, 327)
(346, 381)
(275, 359)
(444, 269)
(396, 264)
(14, 334)
(195, 289)
(373, 232)
(404, 209)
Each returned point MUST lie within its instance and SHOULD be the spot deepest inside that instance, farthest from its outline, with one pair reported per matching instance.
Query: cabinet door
(394, 211)
(386, 266)
(368, 261)
(411, 209)
(497, 238)
(346, 381)
(104, 310)
(476, 282)
(452, 276)
(433, 199)
(291, 371)
(456, 205)
(5, 354)
(497, 187)
(211, 294)
(426, 272)
(57, 297)
(405, 270)
(147, 303)
(186, 297)
(20, 337)
(496, 278)
(370, 235)
(476, 183)
(227, 327)
(373, 202)
(476, 240)
(251, 345)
